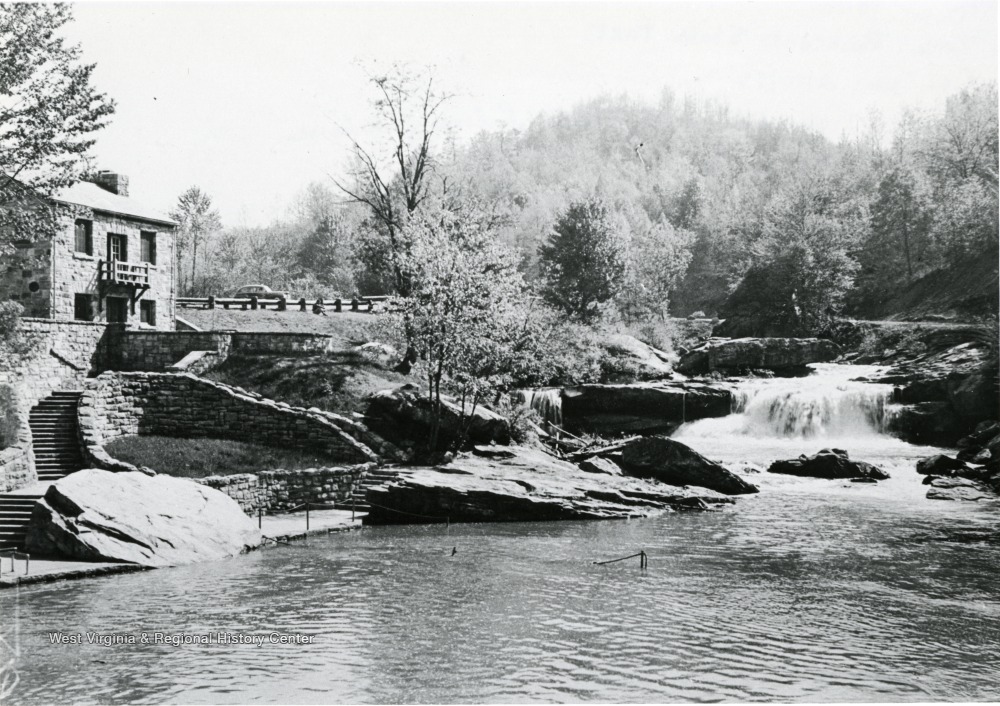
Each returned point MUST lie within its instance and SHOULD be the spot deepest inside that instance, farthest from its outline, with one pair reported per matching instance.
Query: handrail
(14, 555)
(643, 560)
(413, 514)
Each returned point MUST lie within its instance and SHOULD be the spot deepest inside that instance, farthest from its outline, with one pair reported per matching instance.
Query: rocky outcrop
(642, 407)
(627, 359)
(404, 414)
(97, 515)
(973, 475)
(527, 485)
(943, 394)
(733, 355)
(673, 463)
(828, 463)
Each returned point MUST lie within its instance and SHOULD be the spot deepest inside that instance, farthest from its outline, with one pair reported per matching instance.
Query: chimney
(110, 181)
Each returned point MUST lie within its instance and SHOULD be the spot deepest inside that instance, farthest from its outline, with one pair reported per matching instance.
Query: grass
(348, 328)
(336, 382)
(200, 458)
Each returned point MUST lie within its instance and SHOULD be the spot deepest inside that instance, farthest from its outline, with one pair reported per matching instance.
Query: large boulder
(959, 489)
(404, 416)
(627, 359)
(731, 355)
(941, 465)
(642, 407)
(522, 485)
(97, 515)
(673, 463)
(828, 463)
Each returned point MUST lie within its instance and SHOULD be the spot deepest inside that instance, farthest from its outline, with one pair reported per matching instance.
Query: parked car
(261, 291)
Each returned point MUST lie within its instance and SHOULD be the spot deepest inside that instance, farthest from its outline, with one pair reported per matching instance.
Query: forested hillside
(699, 201)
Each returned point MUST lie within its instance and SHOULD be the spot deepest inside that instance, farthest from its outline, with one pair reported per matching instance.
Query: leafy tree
(327, 254)
(660, 259)
(197, 221)
(465, 316)
(49, 114)
(900, 221)
(585, 261)
(407, 107)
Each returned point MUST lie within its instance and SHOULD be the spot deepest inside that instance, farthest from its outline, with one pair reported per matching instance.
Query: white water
(547, 403)
(782, 418)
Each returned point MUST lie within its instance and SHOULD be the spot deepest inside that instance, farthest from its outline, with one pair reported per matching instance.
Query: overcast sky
(244, 100)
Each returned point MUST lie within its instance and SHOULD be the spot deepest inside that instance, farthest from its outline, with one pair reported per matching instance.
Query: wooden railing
(120, 272)
(363, 304)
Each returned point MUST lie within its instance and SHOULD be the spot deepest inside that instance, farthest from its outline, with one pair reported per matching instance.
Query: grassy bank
(348, 328)
(200, 458)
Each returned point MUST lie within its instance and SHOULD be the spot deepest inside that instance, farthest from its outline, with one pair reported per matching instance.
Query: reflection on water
(810, 591)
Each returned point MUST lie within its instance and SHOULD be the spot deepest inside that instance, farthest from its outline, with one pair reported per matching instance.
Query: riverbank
(281, 528)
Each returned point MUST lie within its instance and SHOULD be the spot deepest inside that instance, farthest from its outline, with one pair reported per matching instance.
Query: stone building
(111, 260)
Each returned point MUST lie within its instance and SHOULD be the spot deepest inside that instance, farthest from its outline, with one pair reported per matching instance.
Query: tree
(465, 316)
(899, 217)
(49, 114)
(660, 259)
(408, 108)
(197, 220)
(585, 260)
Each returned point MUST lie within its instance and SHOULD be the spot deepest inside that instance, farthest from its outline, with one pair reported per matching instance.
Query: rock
(958, 489)
(941, 465)
(97, 515)
(641, 407)
(529, 486)
(403, 415)
(828, 463)
(493, 451)
(741, 354)
(627, 359)
(378, 352)
(673, 463)
(927, 423)
(600, 465)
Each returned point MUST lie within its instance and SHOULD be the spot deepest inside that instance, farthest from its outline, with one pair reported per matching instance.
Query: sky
(249, 100)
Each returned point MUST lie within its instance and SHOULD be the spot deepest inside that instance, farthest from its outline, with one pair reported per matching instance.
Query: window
(147, 313)
(83, 307)
(117, 247)
(84, 237)
(147, 242)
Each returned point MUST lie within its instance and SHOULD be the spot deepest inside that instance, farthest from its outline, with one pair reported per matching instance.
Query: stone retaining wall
(156, 351)
(281, 491)
(183, 405)
(62, 356)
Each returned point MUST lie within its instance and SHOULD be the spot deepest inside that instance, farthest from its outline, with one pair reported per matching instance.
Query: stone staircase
(377, 476)
(54, 434)
(15, 512)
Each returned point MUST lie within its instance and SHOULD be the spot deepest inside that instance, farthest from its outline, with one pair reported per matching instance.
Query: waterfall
(826, 404)
(547, 403)
(807, 412)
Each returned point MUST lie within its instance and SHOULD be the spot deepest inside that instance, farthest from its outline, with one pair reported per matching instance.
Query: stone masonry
(281, 491)
(183, 405)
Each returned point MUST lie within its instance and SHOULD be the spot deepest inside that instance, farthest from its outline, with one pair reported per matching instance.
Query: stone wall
(17, 462)
(156, 351)
(281, 491)
(183, 405)
(62, 356)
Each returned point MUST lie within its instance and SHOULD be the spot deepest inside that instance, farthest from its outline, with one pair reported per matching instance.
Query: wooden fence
(363, 304)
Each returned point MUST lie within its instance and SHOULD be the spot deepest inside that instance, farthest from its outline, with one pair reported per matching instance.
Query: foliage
(197, 220)
(14, 343)
(465, 317)
(585, 261)
(49, 114)
(9, 422)
(407, 109)
(660, 256)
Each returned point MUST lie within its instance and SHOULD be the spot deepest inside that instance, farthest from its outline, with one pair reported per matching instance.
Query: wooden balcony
(129, 274)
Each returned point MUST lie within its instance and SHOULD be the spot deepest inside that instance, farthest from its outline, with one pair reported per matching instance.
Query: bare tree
(394, 185)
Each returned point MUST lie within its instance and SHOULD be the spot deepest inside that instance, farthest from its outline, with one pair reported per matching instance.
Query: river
(812, 590)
